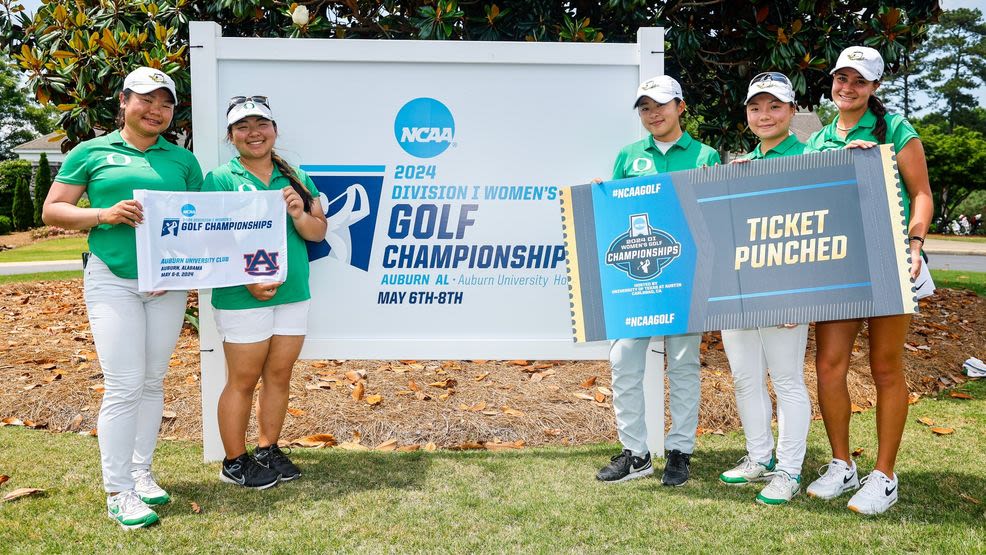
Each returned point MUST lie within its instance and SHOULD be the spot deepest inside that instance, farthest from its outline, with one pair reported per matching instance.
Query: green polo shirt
(790, 146)
(644, 158)
(234, 177)
(110, 170)
(899, 133)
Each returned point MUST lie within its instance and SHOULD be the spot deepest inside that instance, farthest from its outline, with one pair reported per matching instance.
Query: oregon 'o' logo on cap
(188, 210)
(855, 55)
(424, 128)
(157, 77)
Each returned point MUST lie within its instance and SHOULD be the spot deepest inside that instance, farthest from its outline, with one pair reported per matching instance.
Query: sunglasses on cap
(237, 100)
(770, 76)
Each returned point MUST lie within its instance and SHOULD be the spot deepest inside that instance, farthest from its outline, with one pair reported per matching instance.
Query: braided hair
(288, 172)
(880, 111)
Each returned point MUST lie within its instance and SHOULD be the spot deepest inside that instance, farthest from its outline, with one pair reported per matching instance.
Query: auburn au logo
(261, 263)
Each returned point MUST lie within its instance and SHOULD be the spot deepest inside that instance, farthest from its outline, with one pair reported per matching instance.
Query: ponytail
(880, 111)
(288, 172)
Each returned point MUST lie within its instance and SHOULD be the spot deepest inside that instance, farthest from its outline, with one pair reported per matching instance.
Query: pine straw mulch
(49, 375)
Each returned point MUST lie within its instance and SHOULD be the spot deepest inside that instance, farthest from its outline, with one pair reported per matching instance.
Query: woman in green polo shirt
(666, 148)
(775, 350)
(863, 122)
(134, 333)
(263, 325)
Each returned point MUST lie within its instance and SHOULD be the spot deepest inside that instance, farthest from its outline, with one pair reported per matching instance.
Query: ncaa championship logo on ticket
(214, 239)
(789, 240)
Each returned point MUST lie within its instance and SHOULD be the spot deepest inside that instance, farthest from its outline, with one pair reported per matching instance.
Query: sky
(33, 5)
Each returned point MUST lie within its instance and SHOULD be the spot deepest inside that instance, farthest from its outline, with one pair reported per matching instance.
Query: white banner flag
(206, 240)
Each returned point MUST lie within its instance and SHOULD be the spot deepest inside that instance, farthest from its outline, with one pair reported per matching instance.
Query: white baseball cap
(867, 61)
(145, 80)
(773, 83)
(662, 89)
(245, 106)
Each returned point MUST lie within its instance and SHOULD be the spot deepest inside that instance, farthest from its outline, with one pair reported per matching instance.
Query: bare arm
(913, 170)
(60, 209)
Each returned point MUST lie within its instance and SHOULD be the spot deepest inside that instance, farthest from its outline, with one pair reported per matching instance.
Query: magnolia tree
(76, 53)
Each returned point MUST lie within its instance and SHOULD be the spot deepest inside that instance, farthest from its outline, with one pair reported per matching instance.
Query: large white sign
(439, 164)
(198, 240)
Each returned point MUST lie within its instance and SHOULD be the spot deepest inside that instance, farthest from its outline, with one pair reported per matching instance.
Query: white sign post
(439, 164)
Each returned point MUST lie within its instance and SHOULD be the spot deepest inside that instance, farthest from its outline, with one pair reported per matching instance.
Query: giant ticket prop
(797, 239)
(206, 240)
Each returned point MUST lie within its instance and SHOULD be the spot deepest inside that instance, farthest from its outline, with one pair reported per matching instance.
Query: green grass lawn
(533, 500)
(965, 238)
(958, 279)
(40, 276)
(63, 248)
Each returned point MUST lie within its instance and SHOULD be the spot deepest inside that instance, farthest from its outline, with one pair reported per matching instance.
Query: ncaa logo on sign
(424, 128)
(188, 210)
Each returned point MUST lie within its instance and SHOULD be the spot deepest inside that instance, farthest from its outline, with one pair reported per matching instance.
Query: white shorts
(259, 324)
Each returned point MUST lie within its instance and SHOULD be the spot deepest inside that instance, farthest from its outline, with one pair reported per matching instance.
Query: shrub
(23, 208)
(6, 226)
(42, 182)
(10, 172)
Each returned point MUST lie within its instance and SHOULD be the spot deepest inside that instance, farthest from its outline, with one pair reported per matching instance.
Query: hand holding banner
(792, 240)
(206, 240)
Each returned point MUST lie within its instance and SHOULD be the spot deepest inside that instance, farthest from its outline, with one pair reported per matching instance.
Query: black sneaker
(247, 472)
(625, 466)
(273, 458)
(676, 468)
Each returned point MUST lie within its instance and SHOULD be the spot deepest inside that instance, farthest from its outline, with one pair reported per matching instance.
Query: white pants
(135, 335)
(627, 356)
(751, 353)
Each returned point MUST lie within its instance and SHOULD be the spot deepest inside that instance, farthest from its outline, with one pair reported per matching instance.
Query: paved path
(967, 263)
(10, 268)
(944, 254)
(946, 246)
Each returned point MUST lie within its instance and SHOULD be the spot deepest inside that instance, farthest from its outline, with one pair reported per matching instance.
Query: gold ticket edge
(572, 260)
(891, 180)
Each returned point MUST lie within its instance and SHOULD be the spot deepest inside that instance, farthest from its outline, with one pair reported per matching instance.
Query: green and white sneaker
(129, 511)
(147, 488)
(748, 471)
(781, 489)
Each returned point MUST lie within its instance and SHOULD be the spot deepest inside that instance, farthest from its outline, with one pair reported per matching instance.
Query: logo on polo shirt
(424, 128)
(117, 159)
(642, 251)
(643, 165)
(170, 227)
(261, 263)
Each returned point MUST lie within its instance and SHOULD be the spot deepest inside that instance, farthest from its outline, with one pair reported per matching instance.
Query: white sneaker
(129, 511)
(878, 494)
(837, 479)
(781, 489)
(747, 471)
(147, 488)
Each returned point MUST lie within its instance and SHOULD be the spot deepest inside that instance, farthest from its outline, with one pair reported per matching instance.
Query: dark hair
(879, 110)
(286, 170)
(120, 120)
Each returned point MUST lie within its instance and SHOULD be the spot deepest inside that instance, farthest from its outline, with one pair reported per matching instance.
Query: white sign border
(208, 47)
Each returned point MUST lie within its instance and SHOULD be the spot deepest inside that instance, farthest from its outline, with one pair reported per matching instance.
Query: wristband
(98, 221)
(916, 238)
